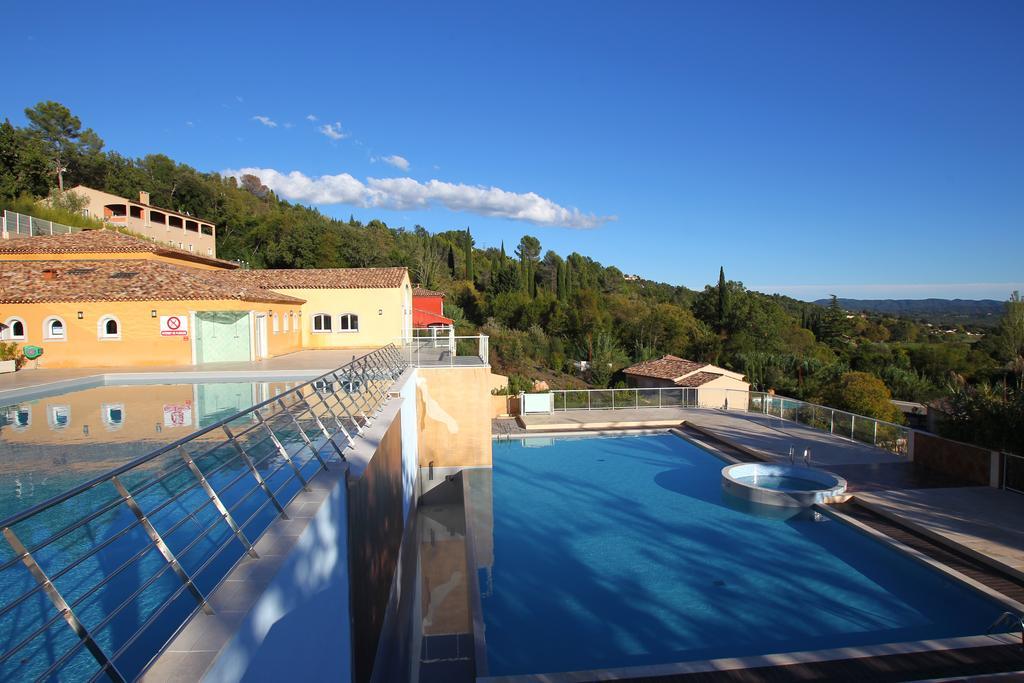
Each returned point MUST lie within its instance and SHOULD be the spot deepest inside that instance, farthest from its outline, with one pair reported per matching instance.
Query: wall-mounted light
(81, 315)
(380, 311)
(85, 429)
(152, 313)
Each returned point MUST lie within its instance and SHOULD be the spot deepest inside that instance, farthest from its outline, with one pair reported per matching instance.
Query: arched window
(321, 322)
(348, 322)
(108, 327)
(112, 415)
(276, 323)
(14, 329)
(59, 417)
(287, 317)
(54, 330)
(294, 324)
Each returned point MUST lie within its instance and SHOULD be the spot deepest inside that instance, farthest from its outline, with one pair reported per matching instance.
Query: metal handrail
(887, 435)
(189, 512)
(1012, 619)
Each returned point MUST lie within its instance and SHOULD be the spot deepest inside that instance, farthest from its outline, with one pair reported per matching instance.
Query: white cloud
(333, 131)
(402, 194)
(310, 117)
(289, 125)
(266, 121)
(394, 160)
(189, 124)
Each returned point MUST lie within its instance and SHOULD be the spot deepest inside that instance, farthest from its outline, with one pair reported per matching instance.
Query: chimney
(49, 274)
(143, 197)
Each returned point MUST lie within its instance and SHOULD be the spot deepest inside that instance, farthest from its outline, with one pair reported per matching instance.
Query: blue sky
(866, 149)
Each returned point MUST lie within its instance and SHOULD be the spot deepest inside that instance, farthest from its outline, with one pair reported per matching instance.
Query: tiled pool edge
(758, 661)
(473, 587)
(35, 391)
(725, 664)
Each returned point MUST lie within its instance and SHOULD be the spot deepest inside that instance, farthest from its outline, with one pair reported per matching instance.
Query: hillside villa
(714, 386)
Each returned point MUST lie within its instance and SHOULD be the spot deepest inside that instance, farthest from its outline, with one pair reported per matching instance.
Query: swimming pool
(625, 551)
(51, 444)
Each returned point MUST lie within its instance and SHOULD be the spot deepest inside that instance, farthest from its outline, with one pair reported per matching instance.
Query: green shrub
(11, 351)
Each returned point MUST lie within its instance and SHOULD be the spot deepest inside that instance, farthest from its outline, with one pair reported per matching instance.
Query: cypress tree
(503, 256)
(451, 261)
(470, 274)
(722, 299)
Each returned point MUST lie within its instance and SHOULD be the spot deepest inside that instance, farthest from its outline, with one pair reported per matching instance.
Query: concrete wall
(724, 391)
(381, 316)
(454, 411)
(140, 344)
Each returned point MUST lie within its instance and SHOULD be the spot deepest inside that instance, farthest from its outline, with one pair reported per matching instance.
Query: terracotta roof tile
(666, 367)
(319, 278)
(697, 379)
(122, 280)
(102, 241)
(420, 291)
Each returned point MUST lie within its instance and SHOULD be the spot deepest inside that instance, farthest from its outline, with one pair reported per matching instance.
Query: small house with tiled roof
(428, 309)
(344, 307)
(705, 384)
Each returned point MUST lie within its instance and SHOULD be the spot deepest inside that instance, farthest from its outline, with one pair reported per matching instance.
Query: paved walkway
(981, 521)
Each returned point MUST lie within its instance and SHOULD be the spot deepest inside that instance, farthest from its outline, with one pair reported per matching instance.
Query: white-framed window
(209, 251)
(108, 327)
(59, 416)
(14, 330)
(112, 415)
(54, 329)
(295, 325)
(348, 322)
(275, 322)
(287, 317)
(322, 323)
(19, 417)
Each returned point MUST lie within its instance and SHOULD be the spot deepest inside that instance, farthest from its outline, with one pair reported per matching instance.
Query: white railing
(444, 349)
(21, 225)
(886, 435)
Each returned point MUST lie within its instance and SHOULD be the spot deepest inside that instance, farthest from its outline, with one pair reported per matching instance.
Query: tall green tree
(468, 249)
(723, 299)
(60, 130)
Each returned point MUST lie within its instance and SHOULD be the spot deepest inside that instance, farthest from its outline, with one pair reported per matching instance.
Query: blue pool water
(613, 552)
(50, 444)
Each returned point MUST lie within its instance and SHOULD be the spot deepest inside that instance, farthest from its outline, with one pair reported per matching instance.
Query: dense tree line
(547, 312)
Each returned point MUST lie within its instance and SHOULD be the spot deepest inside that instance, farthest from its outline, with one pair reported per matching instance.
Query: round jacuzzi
(782, 485)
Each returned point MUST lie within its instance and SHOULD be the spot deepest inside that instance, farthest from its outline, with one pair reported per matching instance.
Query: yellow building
(344, 307)
(135, 312)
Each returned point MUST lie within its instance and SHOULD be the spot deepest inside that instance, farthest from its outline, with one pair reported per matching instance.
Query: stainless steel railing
(444, 349)
(887, 435)
(95, 581)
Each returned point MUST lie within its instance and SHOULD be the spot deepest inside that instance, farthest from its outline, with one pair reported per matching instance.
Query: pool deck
(308, 363)
(977, 522)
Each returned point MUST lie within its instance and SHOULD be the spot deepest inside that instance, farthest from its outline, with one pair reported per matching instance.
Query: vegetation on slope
(546, 312)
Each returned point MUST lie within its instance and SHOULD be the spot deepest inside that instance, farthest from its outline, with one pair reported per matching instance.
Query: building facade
(428, 309)
(165, 226)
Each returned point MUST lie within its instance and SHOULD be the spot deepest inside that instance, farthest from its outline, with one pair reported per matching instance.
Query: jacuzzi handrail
(117, 471)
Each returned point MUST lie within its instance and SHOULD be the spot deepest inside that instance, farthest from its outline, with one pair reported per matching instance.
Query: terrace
(354, 514)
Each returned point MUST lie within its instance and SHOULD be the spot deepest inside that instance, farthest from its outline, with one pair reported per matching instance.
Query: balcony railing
(886, 435)
(95, 581)
(440, 347)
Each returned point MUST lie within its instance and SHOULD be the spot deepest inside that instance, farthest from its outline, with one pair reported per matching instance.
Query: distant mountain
(942, 311)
